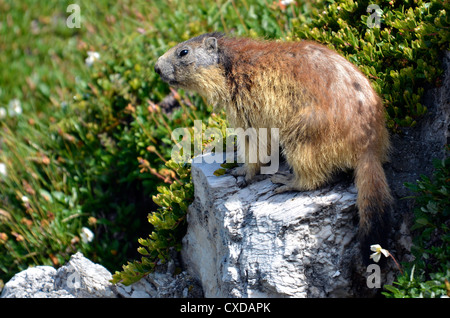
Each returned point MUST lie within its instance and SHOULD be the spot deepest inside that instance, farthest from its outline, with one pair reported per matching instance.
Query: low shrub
(429, 274)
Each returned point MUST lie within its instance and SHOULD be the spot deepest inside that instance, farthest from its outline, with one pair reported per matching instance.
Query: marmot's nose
(157, 69)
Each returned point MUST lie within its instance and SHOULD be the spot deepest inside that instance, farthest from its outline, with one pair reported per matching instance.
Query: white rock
(139, 294)
(249, 242)
(78, 278)
(84, 279)
(35, 282)
(81, 278)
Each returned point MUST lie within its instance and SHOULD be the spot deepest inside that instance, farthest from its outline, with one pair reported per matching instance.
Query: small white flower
(15, 107)
(86, 235)
(92, 57)
(378, 250)
(3, 112)
(25, 199)
(3, 169)
(286, 2)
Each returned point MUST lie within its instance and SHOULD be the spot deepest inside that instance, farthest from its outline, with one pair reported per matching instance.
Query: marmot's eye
(184, 52)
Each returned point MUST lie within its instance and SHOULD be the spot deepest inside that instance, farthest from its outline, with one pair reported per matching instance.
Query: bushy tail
(374, 202)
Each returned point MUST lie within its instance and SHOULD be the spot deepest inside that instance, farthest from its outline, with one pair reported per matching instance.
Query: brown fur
(329, 116)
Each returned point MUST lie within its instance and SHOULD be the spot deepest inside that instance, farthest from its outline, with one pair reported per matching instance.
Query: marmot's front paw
(238, 171)
(243, 171)
(249, 172)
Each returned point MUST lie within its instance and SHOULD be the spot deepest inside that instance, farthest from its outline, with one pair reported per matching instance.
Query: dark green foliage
(168, 226)
(429, 274)
(169, 221)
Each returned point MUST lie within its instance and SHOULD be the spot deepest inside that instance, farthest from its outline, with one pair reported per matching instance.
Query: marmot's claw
(238, 171)
(282, 177)
(241, 183)
(284, 188)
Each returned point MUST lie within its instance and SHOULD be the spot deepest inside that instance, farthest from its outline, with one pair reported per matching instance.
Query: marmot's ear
(210, 44)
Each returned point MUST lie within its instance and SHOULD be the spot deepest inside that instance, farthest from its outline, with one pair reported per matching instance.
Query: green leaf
(220, 172)
(143, 251)
(229, 165)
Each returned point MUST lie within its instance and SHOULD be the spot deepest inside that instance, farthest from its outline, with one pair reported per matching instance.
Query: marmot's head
(182, 64)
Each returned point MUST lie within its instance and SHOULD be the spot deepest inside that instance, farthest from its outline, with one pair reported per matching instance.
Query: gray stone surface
(412, 155)
(36, 282)
(163, 283)
(78, 278)
(81, 278)
(250, 242)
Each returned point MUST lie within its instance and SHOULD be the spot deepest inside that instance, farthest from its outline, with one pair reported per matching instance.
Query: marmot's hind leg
(303, 179)
(288, 180)
(310, 169)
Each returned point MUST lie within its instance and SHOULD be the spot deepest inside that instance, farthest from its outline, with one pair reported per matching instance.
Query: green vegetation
(429, 274)
(88, 147)
(169, 221)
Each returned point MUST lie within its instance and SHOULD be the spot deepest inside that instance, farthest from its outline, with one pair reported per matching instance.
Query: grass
(40, 56)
